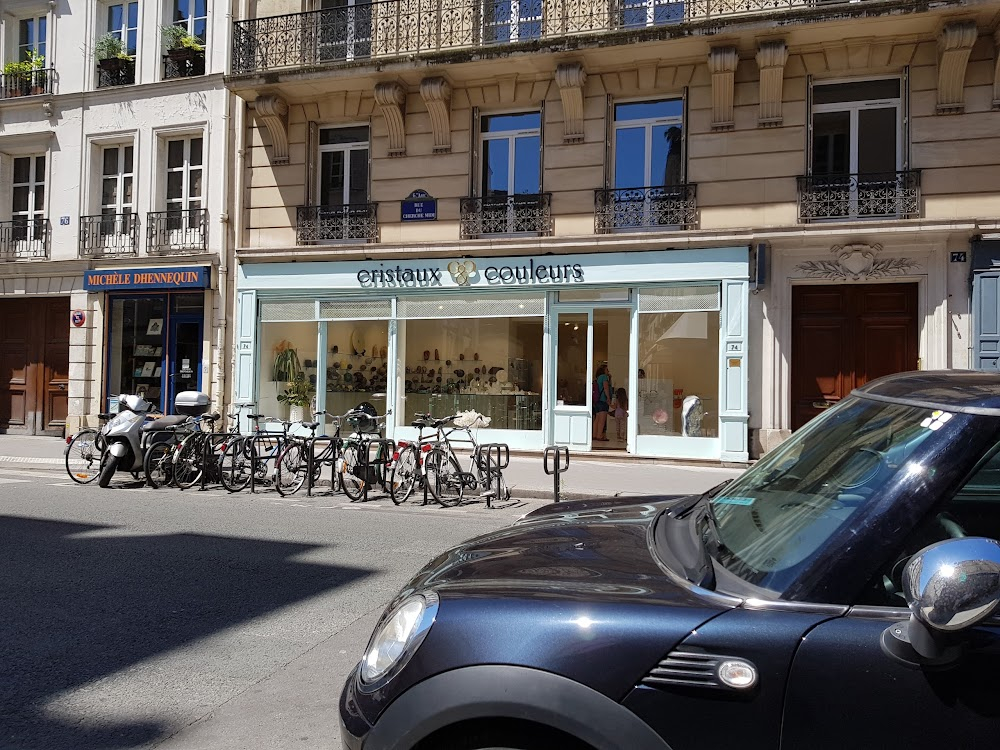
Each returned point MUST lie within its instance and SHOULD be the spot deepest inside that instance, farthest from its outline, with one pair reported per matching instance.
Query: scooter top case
(192, 403)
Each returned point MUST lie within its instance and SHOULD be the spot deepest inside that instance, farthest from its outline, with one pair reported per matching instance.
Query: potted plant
(286, 366)
(17, 78)
(184, 50)
(113, 60)
(297, 395)
(36, 75)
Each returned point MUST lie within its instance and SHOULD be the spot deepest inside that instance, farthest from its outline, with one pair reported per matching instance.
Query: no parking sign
(78, 318)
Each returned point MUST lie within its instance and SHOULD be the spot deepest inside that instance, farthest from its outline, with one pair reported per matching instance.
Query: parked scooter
(123, 436)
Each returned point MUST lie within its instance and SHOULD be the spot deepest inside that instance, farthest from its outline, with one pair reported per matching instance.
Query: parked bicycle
(407, 473)
(443, 473)
(84, 451)
(253, 456)
(366, 456)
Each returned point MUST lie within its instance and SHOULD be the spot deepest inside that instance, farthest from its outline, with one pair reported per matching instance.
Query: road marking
(8, 480)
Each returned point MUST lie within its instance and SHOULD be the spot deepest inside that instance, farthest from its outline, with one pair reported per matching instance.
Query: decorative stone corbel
(391, 99)
(771, 59)
(996, 70)
(273, 112)
(47, 109)
(955, 45)
(436, 93)
(722, 62)
(570, 77)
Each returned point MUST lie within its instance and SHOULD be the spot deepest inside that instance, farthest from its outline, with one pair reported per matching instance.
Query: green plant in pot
(112, 56)
(179, 41)
(24, 77)
(286, 365)
(298, 394)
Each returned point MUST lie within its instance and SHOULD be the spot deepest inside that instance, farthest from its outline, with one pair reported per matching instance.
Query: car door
(844, 690)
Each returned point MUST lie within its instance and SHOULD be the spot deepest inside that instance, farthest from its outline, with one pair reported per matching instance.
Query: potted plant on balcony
(16, 78)
(297, 395)
(113, 59)
(37, 78)
(185, 51)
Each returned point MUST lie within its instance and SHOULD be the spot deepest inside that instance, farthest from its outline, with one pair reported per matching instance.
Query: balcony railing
(176, 231)
(624, 209)
(506, 214)
(115, 72)
(109, 235)
(24, 238)
(877, 195)
(405, 27)
(183, 63)
(28, 83)
(355, 222)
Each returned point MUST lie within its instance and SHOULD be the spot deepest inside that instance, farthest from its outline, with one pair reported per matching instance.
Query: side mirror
(949, 587)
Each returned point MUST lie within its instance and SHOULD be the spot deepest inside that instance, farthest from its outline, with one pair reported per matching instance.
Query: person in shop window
(602, 401)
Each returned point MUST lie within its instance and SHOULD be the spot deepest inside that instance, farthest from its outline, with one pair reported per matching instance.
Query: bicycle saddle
(169, 421)
(311, 425)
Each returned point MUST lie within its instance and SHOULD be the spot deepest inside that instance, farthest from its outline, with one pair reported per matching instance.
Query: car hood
(591, 549)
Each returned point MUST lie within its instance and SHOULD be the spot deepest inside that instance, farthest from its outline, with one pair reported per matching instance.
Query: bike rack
(560, 456)
(310, 444)
(496, 454)
(212, 441)
(365, 462)
(272, 440)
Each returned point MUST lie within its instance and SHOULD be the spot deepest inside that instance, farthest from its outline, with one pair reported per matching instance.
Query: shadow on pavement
(80, 602)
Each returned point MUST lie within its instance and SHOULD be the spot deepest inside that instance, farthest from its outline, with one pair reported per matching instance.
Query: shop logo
(461, 271)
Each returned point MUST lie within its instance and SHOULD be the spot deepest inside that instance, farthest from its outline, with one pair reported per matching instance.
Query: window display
(136, 347)
(490, 365)
(678, 374)
(357, 364)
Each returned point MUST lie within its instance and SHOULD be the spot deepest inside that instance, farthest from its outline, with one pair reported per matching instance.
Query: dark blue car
(839, 594)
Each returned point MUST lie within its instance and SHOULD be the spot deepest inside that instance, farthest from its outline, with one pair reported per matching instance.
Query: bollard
(560, 463)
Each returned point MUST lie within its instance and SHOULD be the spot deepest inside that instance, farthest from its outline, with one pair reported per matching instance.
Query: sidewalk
(592, 475)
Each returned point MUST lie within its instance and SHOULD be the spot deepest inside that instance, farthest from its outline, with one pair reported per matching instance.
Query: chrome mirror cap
(953, 584)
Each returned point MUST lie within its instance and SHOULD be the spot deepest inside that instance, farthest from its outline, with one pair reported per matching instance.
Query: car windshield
(778, 517)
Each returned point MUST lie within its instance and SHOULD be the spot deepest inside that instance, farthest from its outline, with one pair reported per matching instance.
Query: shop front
(518, 339)
(155, 331)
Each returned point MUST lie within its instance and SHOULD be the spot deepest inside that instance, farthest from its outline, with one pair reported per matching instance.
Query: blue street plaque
(419, 206)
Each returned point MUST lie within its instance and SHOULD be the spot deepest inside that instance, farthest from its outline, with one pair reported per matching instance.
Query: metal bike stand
(254, 460)
(387, 446)
(498, 452)
(207, 450)
(560, 456)
(311, 463)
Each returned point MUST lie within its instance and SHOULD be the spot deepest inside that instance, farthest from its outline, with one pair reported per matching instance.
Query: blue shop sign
(419, 206)
(188, 277)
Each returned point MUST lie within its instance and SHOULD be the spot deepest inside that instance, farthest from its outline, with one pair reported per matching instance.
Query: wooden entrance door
(843, 336)
(34, 366)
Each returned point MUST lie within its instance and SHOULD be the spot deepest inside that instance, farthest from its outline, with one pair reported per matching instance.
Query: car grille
(686, 669)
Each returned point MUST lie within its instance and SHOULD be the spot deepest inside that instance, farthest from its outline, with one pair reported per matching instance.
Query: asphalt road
(137, 618)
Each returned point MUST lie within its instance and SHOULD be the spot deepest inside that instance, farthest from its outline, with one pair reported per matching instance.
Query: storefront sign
(466, 273)
(419, 206)
(189, 277)
(78, 318)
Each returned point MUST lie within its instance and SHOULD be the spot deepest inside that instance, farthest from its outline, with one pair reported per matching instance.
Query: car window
(974, 510)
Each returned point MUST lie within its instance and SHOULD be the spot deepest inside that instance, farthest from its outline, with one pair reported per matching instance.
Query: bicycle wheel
(292, 470)
(403, 476)
(444, 477)
(351, 478)
(158, 465)
(83, 456)
(234, 465)
(187, 462)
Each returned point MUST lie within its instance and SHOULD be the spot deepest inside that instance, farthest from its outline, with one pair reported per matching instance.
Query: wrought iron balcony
(109, 235)
(389, 28)
(176, 232)
(115, 72)
(24, 238)
(506, 214)
(624, 209)
(876, 195)
(26, 83)
(316, 225)
(183, 63)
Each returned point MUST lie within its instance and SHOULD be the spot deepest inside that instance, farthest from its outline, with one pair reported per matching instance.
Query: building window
(113, 69)
(27, 233)
(186, 39)
(181, 228)
(511, 20)
(345, 29)
(117, 176)
(342, 211)
(649, 188)
(510, 200)
(123, 23)
(31, 37)
(192, 16)
(635, 14)
(856, 153)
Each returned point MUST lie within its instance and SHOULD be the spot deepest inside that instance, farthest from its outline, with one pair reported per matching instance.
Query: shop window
(678, 383)
(510, 200)
(357, 364)
(490, 365)
(649, 187)
(136, 348)
(857, 153)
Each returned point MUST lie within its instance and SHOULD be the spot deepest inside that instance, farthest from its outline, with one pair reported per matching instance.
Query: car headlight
(399, 636)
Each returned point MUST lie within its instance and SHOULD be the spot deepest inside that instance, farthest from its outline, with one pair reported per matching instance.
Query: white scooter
(123, 436)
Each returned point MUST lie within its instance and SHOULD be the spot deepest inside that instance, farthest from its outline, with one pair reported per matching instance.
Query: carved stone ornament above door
(857, 262)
